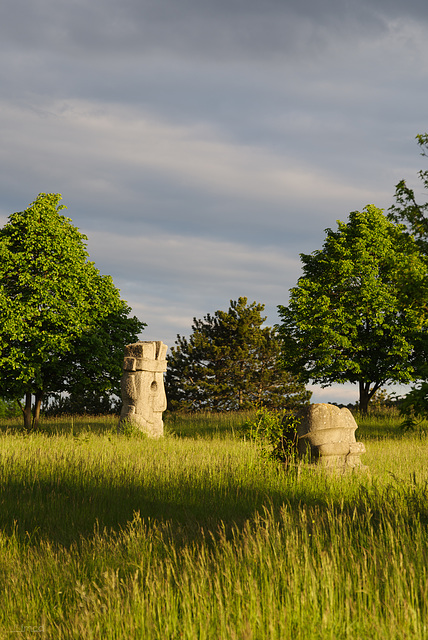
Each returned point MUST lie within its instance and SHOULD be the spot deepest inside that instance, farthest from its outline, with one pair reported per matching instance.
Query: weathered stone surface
(327, 434)
(143, 391)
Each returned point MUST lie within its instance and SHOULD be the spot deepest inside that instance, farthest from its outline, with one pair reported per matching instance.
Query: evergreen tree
(230, 362)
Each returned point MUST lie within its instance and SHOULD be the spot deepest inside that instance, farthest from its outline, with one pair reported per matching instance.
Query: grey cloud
(210, 28)
(124, 170)
(164, 275)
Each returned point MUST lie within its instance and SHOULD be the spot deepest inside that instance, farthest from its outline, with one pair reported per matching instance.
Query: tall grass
(385, 422)
(108, 536)
(205, 424)
(64, 425)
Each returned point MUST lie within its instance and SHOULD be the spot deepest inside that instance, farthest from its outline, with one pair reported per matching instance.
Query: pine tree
(230, 362)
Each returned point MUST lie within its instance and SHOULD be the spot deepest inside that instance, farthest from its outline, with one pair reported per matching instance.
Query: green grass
(195, 536)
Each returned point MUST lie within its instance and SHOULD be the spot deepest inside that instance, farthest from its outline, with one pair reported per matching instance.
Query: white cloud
(335, 393)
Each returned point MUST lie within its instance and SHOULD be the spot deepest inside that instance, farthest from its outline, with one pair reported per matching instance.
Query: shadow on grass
(66, 510)
(64, 513)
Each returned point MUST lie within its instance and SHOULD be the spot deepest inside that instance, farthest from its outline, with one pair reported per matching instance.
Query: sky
(202, 145)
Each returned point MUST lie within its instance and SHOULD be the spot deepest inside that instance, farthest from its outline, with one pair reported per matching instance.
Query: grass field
(195, 536)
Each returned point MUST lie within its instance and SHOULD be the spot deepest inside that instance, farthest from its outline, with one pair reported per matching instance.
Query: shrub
(9, 408)
(276, 433)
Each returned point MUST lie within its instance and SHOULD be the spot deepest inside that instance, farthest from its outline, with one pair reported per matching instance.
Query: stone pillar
(327, 434)
(143, 391)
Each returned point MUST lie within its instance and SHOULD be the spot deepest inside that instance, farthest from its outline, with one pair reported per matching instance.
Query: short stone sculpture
(327, 433)
(143, 391)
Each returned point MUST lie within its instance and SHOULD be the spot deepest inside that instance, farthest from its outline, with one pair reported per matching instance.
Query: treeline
(358, 314)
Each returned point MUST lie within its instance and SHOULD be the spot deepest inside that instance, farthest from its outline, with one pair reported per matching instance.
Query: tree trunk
(240, 398)
(26, 411)
(366, 394)
(364, 399)
(37, 407)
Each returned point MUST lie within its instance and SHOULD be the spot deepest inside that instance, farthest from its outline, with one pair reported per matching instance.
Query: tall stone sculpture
(143, 391)
(327, 434)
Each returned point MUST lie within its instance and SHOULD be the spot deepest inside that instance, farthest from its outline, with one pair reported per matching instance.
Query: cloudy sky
(202, 145)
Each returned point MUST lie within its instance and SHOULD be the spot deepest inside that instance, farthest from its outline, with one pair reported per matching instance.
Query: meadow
(196, 536)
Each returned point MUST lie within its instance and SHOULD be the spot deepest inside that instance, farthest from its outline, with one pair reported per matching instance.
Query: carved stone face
(143, 391)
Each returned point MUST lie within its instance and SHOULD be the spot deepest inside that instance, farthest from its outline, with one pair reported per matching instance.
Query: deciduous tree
(358, 308)
(415, 216)
(55, 309)
(406, 208)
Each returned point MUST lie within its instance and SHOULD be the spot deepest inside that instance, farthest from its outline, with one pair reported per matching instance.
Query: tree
(55, 309)
(407, 210)
(230, 362)
(91, 370)
(8, 408)
(356, 312)
(415, 216)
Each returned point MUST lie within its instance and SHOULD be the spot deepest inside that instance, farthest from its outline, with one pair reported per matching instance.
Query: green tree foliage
(92, 368)
(415, 215)
(407, 210)
(9, 408)
(356, 312)
(230, 362)
(62, 322)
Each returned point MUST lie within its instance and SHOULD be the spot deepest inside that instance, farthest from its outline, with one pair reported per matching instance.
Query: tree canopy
(230, 362)
(407, 210)
(56, 309)
(415, 216)
(91, 370)
(358, 308)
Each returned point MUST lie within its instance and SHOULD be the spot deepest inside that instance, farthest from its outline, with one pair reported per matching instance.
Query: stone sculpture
(327, 433)
(143, 391)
